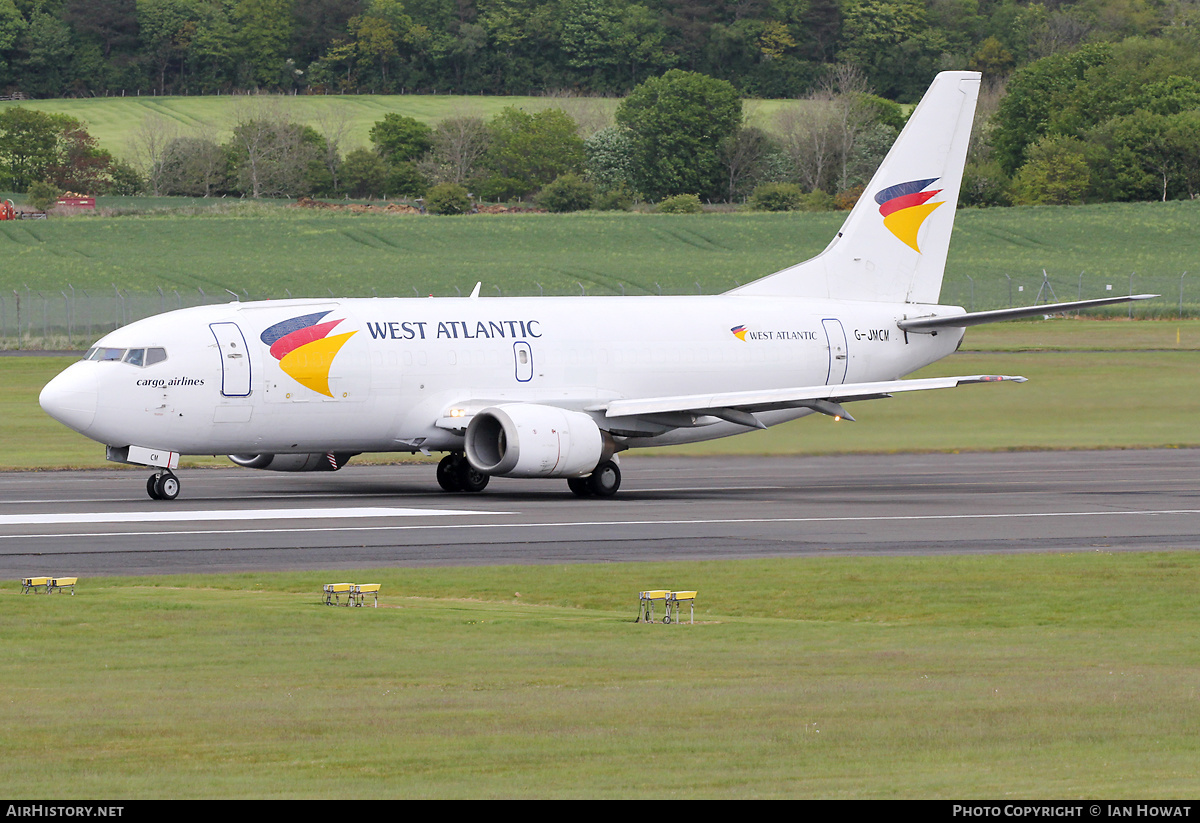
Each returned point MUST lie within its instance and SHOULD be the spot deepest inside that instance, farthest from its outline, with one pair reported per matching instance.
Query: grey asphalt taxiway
(102, 522)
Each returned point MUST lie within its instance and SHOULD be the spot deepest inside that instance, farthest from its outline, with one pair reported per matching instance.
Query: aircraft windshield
(134, 357)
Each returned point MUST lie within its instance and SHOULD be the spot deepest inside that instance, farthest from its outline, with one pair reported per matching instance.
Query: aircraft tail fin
(893, 245)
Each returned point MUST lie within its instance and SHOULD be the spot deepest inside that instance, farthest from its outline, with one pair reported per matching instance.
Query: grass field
(111, 267)
(1033, 676)
(1055, 676)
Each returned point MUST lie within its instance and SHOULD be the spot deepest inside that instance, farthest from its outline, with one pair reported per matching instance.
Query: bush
(364, 174)
(680, 204)
(448, 198)
(619, 198)
(777, 197)
(818, 200)
(846, 200)
(126, 180)
(42, 195)
(568, 192)
(404, 179)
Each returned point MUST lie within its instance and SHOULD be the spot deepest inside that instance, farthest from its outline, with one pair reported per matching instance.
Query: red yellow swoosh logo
(305, 350)
(904, 208)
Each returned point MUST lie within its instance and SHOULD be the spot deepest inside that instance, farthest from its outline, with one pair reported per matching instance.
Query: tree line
(1109, 121)
(764, 48)
(1102, 123)
(679, 134)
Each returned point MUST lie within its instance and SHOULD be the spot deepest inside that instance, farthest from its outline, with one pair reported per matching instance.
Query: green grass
(268, 250)
(113, 121)
(984, 677)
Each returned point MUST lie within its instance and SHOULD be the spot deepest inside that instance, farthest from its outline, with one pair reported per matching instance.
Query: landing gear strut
(602, 482)
(455, 474)
(163, 485)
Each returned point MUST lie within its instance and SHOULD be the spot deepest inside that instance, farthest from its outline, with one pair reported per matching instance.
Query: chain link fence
(72, 319)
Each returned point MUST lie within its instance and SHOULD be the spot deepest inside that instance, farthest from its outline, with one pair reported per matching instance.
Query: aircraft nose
(71, 397)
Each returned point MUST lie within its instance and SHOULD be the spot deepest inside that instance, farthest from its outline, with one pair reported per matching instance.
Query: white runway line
(1106, 514)
(165, 516)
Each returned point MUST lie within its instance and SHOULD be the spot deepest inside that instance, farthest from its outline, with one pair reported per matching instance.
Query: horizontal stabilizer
(961, 321)
(739, 407)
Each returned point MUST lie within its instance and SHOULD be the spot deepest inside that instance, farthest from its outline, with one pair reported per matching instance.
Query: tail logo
(904, 208)
(305, 350)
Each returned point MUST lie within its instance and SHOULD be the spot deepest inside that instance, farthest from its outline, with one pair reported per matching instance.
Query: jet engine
(528, 440)
(315, 462)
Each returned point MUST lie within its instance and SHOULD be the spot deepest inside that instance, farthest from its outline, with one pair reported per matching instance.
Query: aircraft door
(839, 358)
(523, 358)
(235, 359)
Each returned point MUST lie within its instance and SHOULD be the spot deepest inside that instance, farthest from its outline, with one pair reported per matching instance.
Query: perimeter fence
(74, 318)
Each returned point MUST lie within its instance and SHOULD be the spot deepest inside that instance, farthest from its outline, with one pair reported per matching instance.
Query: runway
(227, 520)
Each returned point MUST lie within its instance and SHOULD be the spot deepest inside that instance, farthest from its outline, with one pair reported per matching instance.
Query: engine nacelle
(315, 462)
(528, 440)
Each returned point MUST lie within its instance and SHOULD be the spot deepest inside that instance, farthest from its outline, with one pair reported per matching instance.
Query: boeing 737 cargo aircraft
(551, 386)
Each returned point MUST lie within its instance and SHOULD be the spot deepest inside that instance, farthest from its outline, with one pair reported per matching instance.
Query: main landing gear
(602, 482)
(455, 474)
(163, 485)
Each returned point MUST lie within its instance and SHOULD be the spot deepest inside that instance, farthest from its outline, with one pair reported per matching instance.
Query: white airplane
(551, 386)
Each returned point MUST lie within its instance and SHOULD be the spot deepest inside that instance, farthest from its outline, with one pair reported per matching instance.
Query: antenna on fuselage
(475, 291)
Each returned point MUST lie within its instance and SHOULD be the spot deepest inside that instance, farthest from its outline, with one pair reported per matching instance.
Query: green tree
(264, 31)
(570, 192)
(1183, 135)
(398, 138)
(42, 195)
(677, 123)
(32, 143)
(448, 198)
(1035, 94)
(12, 25)
(273, 157)
(609, 158)
(1055, 174)
(364, 173)
(891, 42)
(611, 42)
(527, 151)
(46, 47)
(992, 59)
(193, 166)
(405, 180)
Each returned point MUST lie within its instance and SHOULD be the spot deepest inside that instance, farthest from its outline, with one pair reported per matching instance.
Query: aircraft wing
(740, 407)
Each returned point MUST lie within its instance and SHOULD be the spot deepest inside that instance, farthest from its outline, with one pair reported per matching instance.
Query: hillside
(114, 120)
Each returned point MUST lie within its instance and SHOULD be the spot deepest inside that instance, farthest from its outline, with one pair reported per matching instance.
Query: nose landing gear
(163, 485)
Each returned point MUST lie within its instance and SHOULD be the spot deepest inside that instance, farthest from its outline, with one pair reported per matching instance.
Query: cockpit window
(101, 353)
(134, 357)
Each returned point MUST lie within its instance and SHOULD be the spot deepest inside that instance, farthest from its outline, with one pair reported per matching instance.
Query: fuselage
(355, 375)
